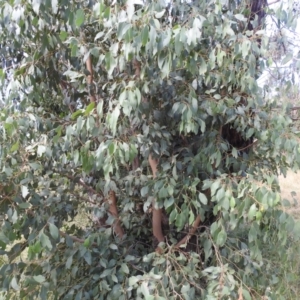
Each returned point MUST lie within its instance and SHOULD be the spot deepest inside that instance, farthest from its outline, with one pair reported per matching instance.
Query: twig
(248, 146)
(295, 108)
(190, 233)
(75, 238)
(82, 183)
(273, 2)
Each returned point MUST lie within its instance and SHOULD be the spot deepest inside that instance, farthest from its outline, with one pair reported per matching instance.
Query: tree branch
(273, 2)
(112, 202)
(295, 108)
(90, 78)
(74, 238)
(192, 231)
(156, 213)
(82, 183)
(113, 210)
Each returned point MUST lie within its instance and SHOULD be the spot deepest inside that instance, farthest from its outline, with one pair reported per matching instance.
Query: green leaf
(145, 291)
(258, 216)
(41, 150)
(2, 75)
(124, 268)
(14, 284)
(63, 35)
(145, 35)
(133, 280)
(45, 241)
(36, 6)
(89, 108)
(24, 190)
(69, 262)
(168, 202)
(106, 272)
(240, 17)
(287, 58)
(106, 13)
(110, 62)
(87, 242)
(191, 217)
(35, 248)
(76, 156)
(111, 148)
(232, 202)
(113, 247)
(14, 147)
(252, 212)
(76, 114)
(203, 198)
(173, 216)
(203, 67)
(220, 195)
(35, 166)
(246, 294)
(181, 220)
(88, 257)
(144, 191)
(214, 187)
(196, 104)
(122, 29)
(221, 238)
(245, 48)
(24, 205)
(158, 15)
(39, 278)
(53, 231)
(207, 246)
(79, 17)
(99, 35)
(114, 119)
(129, 258)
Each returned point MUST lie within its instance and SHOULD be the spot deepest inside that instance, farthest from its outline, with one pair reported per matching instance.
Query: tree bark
(90, 78)
(156, 213)
(113, 210)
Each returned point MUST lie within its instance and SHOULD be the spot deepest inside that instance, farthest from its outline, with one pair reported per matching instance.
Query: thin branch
(295, 108)
(248, 146)
(192, 231)
(82, 183)
(75, 238)
(273, 2)
(112, 201)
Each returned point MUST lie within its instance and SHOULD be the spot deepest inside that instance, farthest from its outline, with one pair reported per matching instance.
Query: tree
(130, 109)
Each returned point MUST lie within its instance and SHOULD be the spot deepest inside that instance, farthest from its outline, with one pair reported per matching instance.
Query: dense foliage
(102, 89)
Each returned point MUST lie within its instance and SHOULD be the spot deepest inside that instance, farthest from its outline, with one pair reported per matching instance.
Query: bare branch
(74, 238)
(273, 2)
(192, 231)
